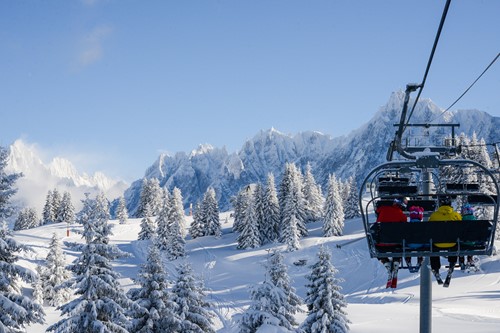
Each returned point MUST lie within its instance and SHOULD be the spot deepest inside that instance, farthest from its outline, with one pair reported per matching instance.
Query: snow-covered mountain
(39, 177)
(269, 150)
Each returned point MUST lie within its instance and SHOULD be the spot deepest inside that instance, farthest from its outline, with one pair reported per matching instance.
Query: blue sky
(109, 84)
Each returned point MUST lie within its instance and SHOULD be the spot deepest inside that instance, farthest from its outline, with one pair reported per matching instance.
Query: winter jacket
(445, 213)
(390, 214)
(469, 218)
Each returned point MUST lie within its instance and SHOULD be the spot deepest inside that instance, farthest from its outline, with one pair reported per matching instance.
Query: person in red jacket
(391, 214)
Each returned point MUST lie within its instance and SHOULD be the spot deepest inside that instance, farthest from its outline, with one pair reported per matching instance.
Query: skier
(444, 213)
(391, 214)
(416, 215)
(467, 215)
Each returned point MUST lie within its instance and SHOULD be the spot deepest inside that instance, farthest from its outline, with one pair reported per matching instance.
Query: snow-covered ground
(470, 304)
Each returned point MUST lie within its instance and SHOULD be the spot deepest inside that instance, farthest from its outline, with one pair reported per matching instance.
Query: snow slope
(470, 304)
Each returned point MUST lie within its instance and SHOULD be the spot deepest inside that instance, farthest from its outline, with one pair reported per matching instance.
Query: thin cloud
(92, 49)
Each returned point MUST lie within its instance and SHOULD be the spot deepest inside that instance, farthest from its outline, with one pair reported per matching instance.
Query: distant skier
(444, 213)
(391, 214)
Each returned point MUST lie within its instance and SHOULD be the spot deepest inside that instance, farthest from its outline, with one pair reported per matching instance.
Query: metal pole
(425, 273)
(425, 297)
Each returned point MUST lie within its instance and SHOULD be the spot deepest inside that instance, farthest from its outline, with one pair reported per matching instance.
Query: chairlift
(480, 232)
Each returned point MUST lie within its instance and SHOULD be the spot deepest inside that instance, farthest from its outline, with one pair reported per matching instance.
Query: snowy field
(470, 304)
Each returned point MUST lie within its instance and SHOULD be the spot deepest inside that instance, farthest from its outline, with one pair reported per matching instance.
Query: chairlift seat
(406, 190)
(462, 187)
(478, 233)
(481, 199)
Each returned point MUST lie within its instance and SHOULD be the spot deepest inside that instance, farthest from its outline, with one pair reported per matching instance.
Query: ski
(438, 277)
(447, 280)
(388, 266)
(394, 280)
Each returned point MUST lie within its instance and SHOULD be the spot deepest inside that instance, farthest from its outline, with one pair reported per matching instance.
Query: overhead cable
(429, 62)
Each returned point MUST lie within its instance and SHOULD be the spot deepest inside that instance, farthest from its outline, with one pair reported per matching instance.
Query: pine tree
(26, 219)
(334, 212)
(66, 211)
(48, 210)
(189, 294)
(274, 301)
(325, 303)
(121, 211)
(278, 275)
(177, 210)
(210, 209)
(7, 189)
(151, 193)
(176, 226)
(271, 209)
(249, 237)
(352, 209)
(258, 208)
(293, 202)
(148, 225)
(312, 196)
(197, 228)
(155, 311)
(162, 225)
(102, 303)
(84, 215)
(55, 274)
(56, 203)
(240, 203)
(16, 310)
(37, 286)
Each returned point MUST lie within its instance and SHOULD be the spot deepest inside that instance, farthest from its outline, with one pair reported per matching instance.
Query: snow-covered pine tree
(16, 310)
(351, 206)
(267, 300)
(48, 209)
(271, 209)
(325, 302)
(148, 225)
(37, 286)
(210, 209)
(27, 219)
(66, 212)
(274, 302)
(102, 303)
(177, 210)
(155, 310)
(86, 212)
(293, 202)
(240, 203)
(176, 227)
(56, 203)
(121, 211)
(162, 226)
(278, 275)
(55, 274)
(249, 237)
(258, 207)
(290, 235)
(189, 294)
(151, 193)
(197, 228)
(313, 197)
(334, 212)
(7, 189)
